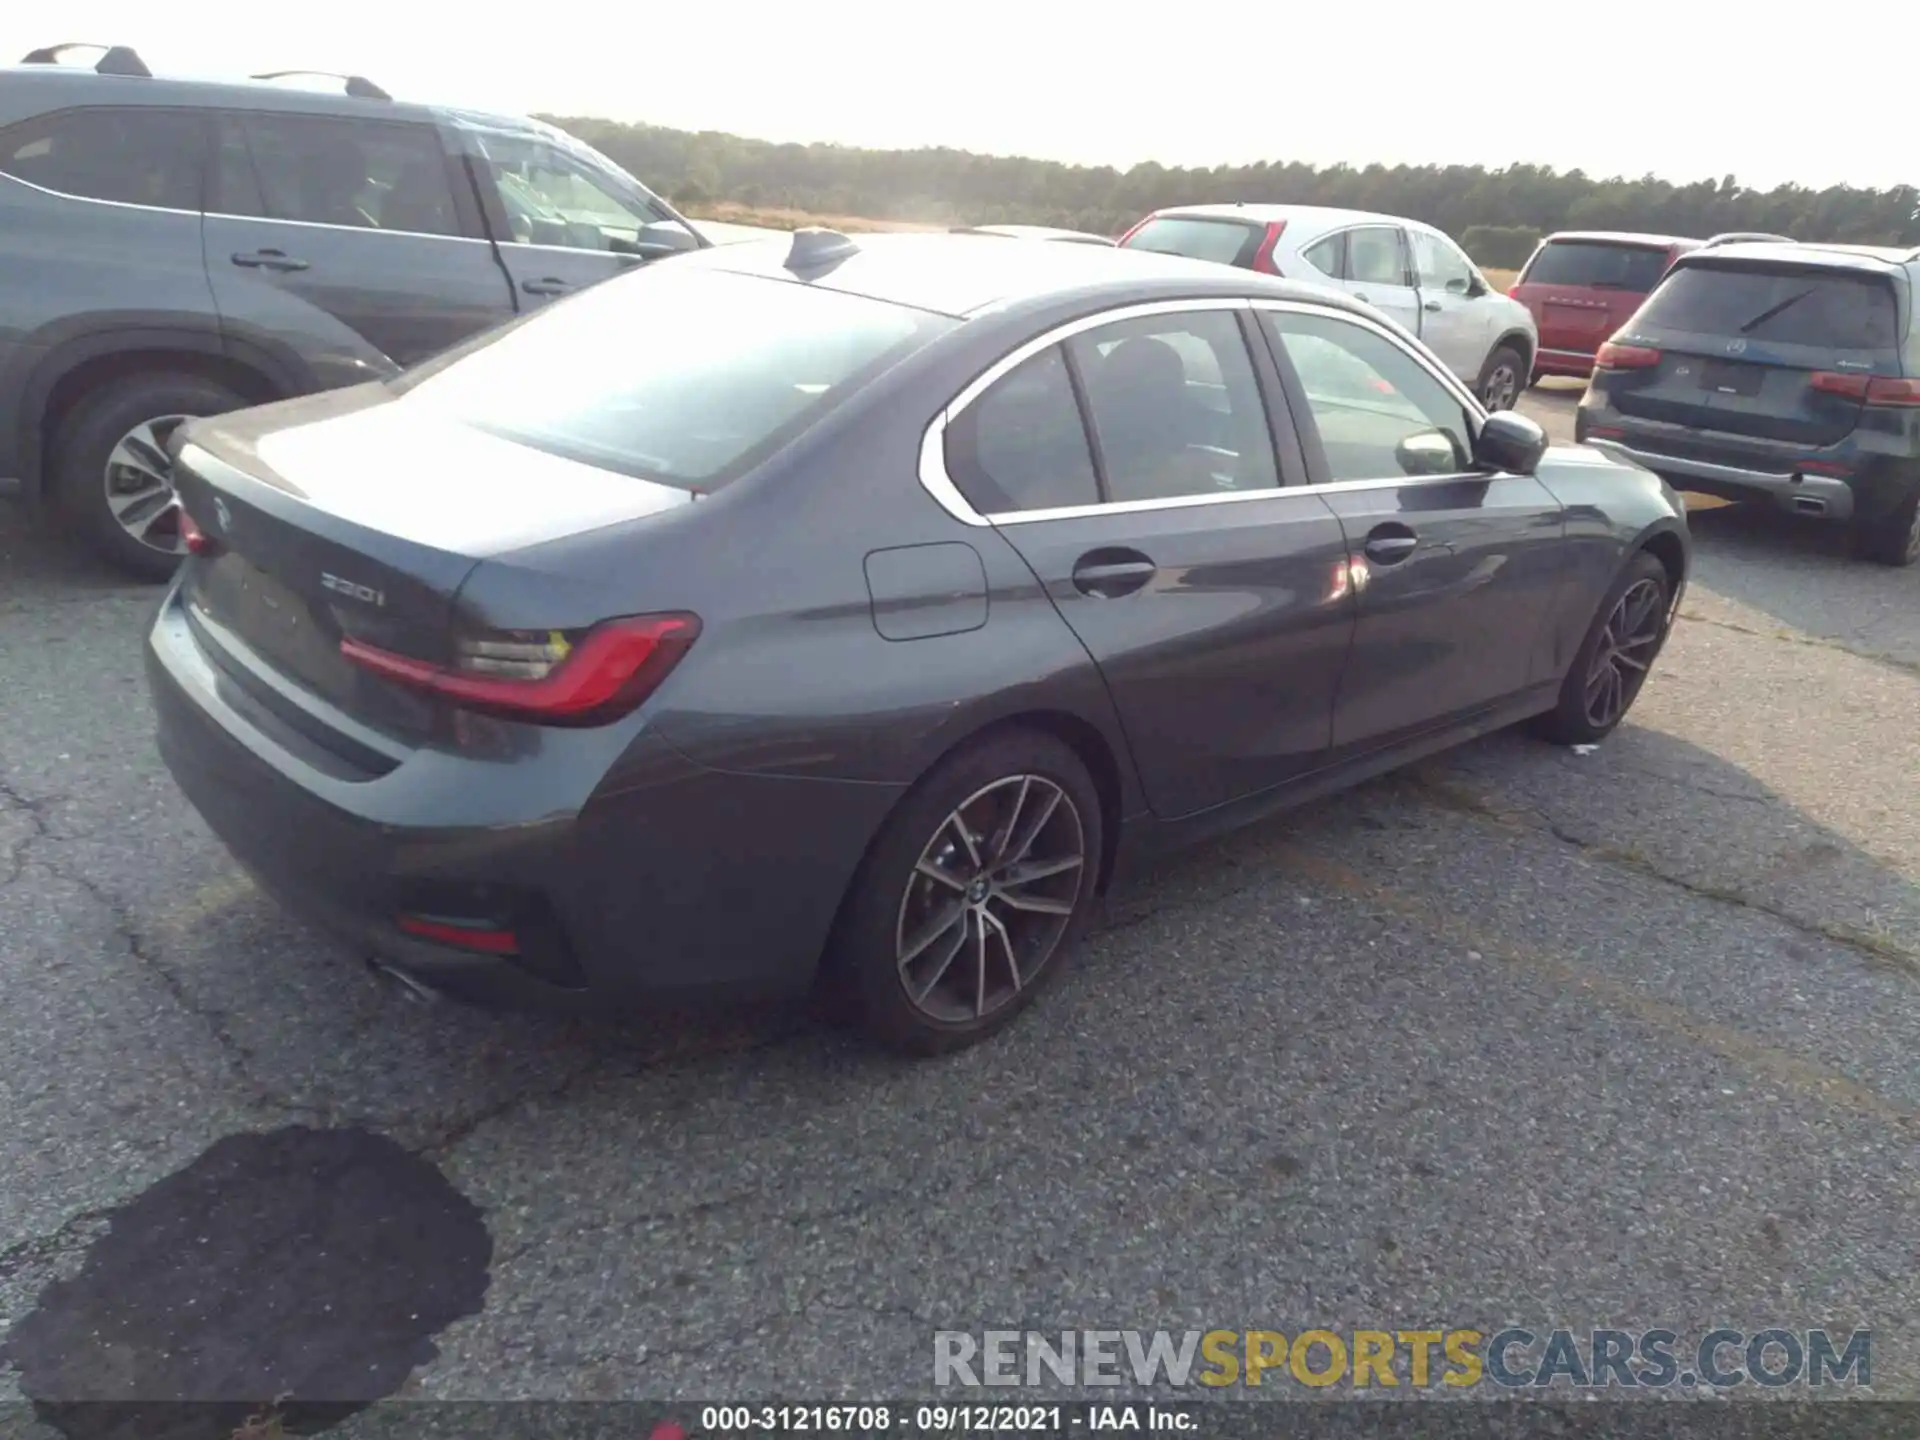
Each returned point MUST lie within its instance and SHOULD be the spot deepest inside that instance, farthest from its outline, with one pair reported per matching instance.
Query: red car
(1582, 285)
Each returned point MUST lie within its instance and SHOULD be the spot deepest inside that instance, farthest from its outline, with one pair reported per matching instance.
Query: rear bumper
(1577, 363)
(1821, 496)
(663, 880)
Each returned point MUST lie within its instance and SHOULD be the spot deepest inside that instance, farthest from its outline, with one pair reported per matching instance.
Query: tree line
(1497, 214)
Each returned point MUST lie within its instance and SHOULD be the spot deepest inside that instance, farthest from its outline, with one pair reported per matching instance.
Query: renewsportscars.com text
(1514, 1358)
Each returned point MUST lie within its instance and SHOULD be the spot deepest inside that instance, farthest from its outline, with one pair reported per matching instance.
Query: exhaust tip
(412, 989)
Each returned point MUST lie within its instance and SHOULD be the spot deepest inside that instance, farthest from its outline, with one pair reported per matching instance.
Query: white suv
(1409, 271)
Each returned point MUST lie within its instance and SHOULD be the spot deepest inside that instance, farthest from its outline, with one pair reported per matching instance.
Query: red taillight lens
(1263, 257)
(1626, 357)
(1869, 389)
(197, 541)
(548, 678)
(487, 939)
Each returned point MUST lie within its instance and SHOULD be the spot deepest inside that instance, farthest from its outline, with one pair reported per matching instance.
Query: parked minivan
(1582, 285)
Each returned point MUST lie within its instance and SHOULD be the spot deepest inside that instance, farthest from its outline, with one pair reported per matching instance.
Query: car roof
(1622, 237)
(1271, 214)
(38, 88)
(1868, 259)
(956, 275)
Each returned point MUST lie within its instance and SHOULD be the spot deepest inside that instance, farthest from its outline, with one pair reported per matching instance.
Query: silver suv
(175, 248)
(1405, 269)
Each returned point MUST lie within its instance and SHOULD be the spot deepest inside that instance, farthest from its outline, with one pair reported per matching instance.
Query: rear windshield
(673, 374)
(1231, 242)
(1597, 263)
(1788, 307)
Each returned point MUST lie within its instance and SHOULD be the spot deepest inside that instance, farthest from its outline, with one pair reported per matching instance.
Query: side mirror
(1428, 452)
(1460, 285)
(1477, 286)
(662, 238)
(1511, 442)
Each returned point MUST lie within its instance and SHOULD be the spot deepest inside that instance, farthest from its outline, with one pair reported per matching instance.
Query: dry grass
(1501, 280)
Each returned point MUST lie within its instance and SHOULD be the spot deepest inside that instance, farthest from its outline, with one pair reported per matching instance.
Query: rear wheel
(972, 894)
(111, 475)
(1612, 664)
(1502, 378)
(1893, 539)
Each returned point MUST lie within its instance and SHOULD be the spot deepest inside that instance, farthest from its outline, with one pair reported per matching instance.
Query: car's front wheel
(1891, 539)
(1612, 663)
(1502, 379)
(975, 889)
(111, 473)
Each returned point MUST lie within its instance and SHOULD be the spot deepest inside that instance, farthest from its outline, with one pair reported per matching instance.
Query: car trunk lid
(350, 516)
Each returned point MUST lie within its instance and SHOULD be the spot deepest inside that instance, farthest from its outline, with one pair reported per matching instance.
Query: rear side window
(1021, 445)
(363, 174)
(132, 156)
(1597, 264)
(683, 376)
(1375, 256)
(1230, 242)
(1328, 256)
(1820, 308)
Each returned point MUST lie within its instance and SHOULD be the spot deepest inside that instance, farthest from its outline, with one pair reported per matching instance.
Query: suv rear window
(1821, 308)
(673, 374)
(1597, 263)
(1231, 242)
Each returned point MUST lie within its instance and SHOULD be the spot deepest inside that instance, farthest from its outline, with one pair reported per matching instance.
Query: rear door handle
(1109, 574)
(547, 286)
(268, 260)
(1390, 543)
(1432, 305)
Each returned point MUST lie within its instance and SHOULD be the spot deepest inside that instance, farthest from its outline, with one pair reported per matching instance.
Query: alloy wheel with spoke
(989, 898)
(139, 485)
(1626, 649)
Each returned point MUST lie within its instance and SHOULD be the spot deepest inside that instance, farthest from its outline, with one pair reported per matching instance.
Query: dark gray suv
(1780, 372)
(174, 248)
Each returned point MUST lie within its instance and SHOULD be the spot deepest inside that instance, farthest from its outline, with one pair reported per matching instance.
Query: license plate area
(1731, 377)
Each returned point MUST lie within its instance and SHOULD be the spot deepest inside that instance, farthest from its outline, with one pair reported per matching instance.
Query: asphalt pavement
(1522, 1036)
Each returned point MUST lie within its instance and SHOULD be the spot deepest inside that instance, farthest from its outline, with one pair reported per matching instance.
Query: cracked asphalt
(1522, 1036)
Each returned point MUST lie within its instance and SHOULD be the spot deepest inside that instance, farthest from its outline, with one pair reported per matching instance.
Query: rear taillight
(1263, 257)
(1868, 389)
(1626, 357)
(547, 677)
(197, 541)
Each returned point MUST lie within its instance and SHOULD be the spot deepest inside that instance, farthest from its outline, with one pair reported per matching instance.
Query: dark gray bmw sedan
(850, 614)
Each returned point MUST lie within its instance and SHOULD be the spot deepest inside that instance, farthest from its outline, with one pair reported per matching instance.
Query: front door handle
(1431, 305)
(1390, 543)
(268, 260)
(547, 286)
(1109, 574)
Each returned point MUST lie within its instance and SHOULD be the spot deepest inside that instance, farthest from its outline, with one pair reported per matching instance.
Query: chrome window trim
(227, 215)
(937, 483)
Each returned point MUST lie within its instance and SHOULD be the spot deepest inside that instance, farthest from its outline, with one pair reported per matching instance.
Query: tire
(1503, 377)
(90, 438)
(1572, 721)
(1893, 539)
(892, 898)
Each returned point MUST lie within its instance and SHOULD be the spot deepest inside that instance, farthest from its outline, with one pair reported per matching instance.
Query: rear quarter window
(1597, 264)
(1819, 308)
(1230, 242)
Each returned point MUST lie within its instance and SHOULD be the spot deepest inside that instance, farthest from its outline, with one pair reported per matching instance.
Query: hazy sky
(1676, 87)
